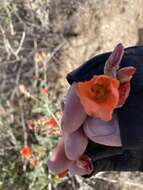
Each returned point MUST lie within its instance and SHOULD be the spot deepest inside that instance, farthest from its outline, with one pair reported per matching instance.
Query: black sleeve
(114, 159)
(130, 160)
(131, 114)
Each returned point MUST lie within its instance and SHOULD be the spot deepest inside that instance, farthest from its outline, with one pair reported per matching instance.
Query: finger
(101, 132)
(83, 166)
(75, 144)
(58, 161)
(74, 169)
(74, 114)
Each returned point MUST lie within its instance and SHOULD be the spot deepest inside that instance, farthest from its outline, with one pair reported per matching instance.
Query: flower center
(99, 92)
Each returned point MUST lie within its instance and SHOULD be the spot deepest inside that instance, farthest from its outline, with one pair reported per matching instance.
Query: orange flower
(26, 152)
(99, 96)
(52, 122)
(54, 130)
(34, 162)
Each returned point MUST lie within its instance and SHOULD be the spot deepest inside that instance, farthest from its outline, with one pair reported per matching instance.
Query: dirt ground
(71, 32)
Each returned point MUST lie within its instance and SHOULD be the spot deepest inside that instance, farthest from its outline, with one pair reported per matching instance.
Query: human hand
(76, 134)
(77, 128)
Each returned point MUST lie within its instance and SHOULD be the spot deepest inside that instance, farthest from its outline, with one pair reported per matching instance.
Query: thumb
(101, 132)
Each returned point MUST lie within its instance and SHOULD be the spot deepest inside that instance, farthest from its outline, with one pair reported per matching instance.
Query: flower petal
(83, 166)
(124, 91)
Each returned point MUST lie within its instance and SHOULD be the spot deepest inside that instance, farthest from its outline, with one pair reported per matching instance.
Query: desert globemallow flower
(26, 152)
(103, 93)
(99, 96)
(34, 162)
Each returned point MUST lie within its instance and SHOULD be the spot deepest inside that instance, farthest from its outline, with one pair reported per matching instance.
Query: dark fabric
(130, 160)
(106, 158)
(130, 156)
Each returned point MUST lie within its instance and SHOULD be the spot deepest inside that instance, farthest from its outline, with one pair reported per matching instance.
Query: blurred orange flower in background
(34, 162)
(54, 129)
(52, 122)
(99, 96)
(26, 152)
